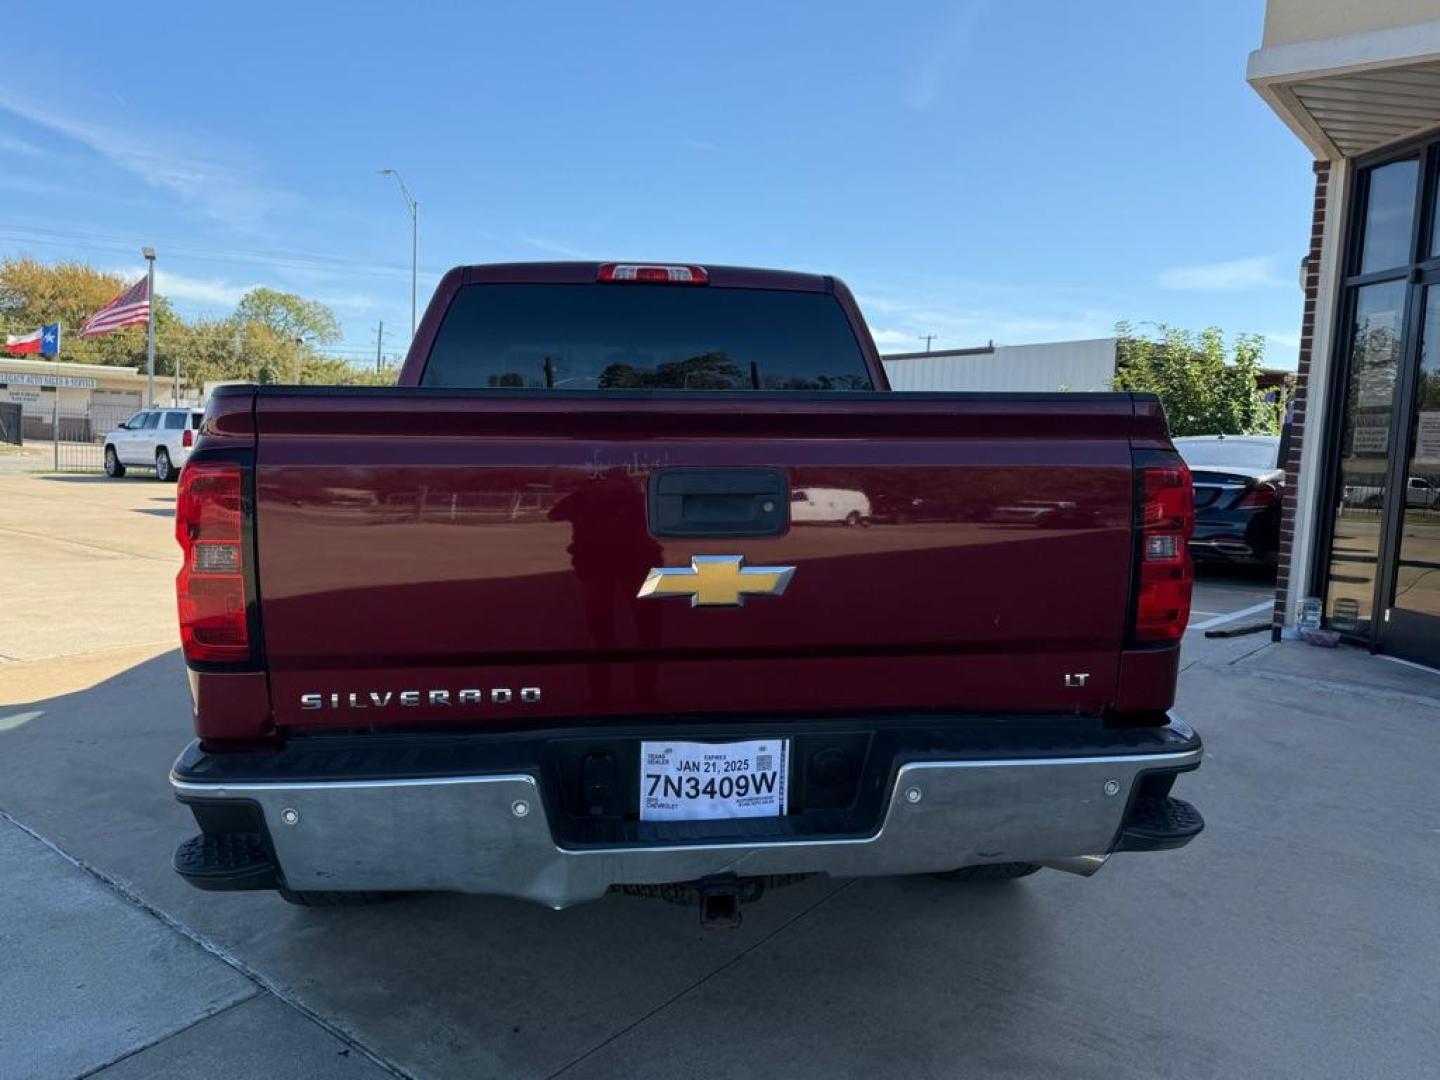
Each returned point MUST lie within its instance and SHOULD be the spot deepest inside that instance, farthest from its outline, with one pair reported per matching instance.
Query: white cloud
(27, 186)
(700, 144)
(214, 183)
(1230, 276)
(555, 247)
(211, 294)
(1282, 349)
(353, 301)
(947, 47)
(9, 144)
(971, 314)
(201, 292)
(895, 341)
(207, 292)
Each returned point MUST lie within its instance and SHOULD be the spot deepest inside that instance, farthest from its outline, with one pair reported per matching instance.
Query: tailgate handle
(719, 503)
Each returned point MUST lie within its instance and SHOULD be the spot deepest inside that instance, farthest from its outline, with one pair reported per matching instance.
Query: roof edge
(1318, 57)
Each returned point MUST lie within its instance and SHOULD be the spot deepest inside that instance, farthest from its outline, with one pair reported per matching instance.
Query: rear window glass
(644, 337)
(1253, 453)
(174, 421)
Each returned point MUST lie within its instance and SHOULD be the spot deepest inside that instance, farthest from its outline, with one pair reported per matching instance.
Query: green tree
(1206, 389)
(289, 316)
(329, 371)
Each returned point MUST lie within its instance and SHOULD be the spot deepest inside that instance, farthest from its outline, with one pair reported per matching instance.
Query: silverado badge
(716, 581)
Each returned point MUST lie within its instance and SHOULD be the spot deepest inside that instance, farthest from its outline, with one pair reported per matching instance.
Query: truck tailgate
(949, 552)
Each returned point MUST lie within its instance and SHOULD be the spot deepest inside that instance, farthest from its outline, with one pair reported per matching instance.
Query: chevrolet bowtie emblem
(716, 581)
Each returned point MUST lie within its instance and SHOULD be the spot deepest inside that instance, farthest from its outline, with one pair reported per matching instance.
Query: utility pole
(927, 338)
(379, 345)
(414, 244)
(149, 254)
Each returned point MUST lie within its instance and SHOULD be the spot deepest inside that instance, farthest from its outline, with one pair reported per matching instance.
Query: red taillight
(1259, 496)
(188, 438)
(1166, 519)
(653, 273)
(211, 583)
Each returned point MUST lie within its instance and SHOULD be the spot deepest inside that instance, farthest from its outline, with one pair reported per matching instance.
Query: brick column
(1302, 391)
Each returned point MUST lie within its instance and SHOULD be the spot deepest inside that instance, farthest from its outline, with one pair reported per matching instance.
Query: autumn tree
(272, 336)
(32, 293)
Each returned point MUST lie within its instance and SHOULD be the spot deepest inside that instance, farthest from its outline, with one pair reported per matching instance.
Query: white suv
(158, 439)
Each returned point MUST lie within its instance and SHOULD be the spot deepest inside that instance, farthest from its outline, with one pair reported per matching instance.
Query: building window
(1389, 215)
(1417, 571)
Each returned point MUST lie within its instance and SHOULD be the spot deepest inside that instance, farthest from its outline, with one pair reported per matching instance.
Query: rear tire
(333, 899)
(1000, 871)
(113, 468)
(164, 468)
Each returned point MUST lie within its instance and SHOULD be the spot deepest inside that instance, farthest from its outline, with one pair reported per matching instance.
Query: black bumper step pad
(1159, 824)
(227, 861)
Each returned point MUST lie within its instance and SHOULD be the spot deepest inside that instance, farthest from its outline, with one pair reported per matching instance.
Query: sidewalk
(29, 458)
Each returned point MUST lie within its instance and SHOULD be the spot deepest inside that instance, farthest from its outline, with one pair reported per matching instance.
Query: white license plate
(694, 781)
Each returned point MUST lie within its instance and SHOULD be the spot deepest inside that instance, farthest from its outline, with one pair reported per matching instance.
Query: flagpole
(149, 254)
(55, 404)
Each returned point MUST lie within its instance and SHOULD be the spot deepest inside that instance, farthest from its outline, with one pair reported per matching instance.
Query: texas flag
(45, 341)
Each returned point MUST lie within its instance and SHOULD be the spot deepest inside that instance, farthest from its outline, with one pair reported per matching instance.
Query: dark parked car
(1238, 488)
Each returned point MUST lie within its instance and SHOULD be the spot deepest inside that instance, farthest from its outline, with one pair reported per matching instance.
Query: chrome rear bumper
(490, 834)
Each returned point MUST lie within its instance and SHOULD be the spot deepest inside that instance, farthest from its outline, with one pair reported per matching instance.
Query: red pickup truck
(540, 620)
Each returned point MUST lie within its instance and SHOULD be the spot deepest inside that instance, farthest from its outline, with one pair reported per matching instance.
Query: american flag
(130, 308)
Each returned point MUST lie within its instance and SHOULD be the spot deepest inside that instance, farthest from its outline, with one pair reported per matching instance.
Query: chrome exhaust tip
(1084, 865)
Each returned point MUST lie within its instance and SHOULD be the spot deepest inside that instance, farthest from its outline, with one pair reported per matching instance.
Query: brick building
(1359, 84)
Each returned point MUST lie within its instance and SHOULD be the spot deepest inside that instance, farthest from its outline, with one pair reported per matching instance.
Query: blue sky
(976, 170)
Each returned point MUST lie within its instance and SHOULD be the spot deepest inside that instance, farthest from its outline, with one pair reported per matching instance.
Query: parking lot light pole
(414, 243)
(149, 254)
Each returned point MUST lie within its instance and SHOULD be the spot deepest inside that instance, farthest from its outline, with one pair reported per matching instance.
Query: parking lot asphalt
(1296, 937)
(1231, 597)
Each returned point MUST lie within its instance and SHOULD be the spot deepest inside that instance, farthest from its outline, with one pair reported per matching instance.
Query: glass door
(1377, 324)
(1411, 623)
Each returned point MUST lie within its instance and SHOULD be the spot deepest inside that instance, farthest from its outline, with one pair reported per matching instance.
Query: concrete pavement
(88, 563)
(76, 948)
(1297, 937)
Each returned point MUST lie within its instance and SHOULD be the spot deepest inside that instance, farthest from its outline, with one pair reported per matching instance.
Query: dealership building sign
(72, 382)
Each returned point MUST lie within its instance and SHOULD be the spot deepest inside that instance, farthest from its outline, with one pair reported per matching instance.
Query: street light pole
(414, 262)
(149, 254)
(414, 244)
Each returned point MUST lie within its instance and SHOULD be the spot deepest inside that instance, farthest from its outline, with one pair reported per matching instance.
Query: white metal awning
(1345, 96)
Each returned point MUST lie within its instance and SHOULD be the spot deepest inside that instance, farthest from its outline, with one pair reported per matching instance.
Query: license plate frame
(684, 780)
